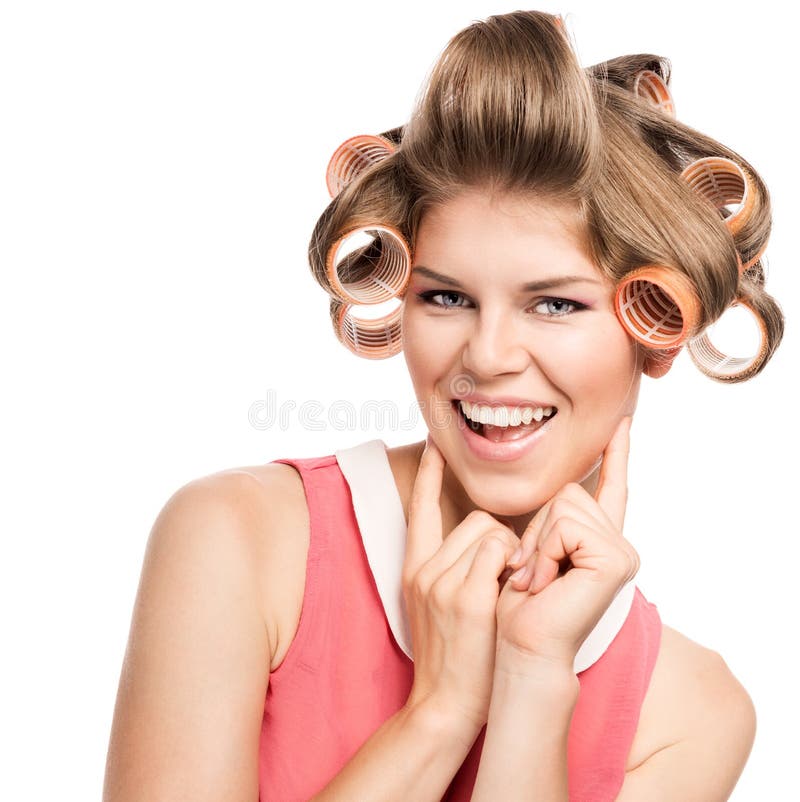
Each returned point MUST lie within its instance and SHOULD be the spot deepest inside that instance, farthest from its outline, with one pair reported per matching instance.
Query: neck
(456, 504)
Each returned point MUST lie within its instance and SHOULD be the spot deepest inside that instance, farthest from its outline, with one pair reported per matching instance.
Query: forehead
(500, 231)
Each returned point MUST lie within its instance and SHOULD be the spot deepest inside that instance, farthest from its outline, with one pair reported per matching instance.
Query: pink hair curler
(658, 306)
(388, 256)
(717, 365)
(650, 86)
(354, 156)
(722, 182)
(377, 338)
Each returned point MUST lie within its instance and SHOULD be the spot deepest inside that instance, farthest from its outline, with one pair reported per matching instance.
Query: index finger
(612, 489)
(424, 535)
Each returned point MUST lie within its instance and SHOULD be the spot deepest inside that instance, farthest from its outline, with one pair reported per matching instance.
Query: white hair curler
(717, 365)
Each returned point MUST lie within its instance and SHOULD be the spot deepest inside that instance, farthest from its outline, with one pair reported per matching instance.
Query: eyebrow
(531, 286)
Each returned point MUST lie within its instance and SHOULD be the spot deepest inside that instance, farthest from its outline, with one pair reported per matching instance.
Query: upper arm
(191, 692)
(705, 764)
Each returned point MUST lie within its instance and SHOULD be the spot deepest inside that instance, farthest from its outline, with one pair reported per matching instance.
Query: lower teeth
(501, 434)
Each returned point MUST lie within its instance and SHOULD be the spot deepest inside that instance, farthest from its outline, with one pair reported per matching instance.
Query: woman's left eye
(556, 306)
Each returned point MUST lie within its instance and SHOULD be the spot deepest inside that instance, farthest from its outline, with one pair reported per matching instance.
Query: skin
(493, 338)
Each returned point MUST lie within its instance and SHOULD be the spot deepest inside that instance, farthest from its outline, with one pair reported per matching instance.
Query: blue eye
(554, 307)
(427, 297)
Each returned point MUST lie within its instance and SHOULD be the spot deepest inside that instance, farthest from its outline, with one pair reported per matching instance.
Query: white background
(162, 169)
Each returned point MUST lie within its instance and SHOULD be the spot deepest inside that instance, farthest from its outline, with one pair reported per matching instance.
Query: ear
(658, 362)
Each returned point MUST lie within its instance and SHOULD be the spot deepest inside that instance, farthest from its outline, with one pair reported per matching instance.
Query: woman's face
(479, 331)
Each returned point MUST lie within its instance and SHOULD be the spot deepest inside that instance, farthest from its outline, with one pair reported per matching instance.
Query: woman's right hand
(451, 586)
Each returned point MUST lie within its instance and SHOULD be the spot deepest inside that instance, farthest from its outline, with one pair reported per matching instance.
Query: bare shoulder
(280, 532)
(195, 671)
(263, 517)
(694, 697)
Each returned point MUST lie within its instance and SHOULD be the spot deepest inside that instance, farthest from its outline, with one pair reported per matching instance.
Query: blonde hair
(509, 109)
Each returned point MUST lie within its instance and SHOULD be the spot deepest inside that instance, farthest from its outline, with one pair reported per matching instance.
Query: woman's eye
(556, 306)
(549, 307)
(428, 297)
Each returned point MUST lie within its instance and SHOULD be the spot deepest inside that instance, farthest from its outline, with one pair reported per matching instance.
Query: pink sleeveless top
(349, 666)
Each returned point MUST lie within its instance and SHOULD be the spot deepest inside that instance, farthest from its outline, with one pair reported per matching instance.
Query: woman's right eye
(427, 297)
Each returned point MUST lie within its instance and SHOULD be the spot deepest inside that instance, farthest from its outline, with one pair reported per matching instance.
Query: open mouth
(498, 434)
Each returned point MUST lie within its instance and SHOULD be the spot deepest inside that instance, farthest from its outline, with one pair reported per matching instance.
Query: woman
(514, 216)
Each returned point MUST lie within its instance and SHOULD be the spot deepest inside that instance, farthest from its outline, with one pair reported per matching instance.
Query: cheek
(593, 364)
(422, 361)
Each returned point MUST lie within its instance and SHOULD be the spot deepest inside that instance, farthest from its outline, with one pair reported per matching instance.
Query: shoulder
(195, 672)
(253, 520)
(695, 712)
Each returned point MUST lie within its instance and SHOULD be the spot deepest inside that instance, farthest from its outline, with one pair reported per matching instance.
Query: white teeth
(504, 416)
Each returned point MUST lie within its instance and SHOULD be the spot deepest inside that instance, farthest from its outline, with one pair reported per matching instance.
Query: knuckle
(438, 595)
(562, 525)
(415, 586)
(493, 541)
(635, 562)
(479, 516)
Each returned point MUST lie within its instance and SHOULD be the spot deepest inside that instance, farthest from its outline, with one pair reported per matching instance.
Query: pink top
(345, 672)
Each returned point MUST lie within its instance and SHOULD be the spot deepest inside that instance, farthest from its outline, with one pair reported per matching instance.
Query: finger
(568, 539)
(488, 562)
(612, 488)
(481, 560)
(424, 533)
(477, 525)
(571, 500)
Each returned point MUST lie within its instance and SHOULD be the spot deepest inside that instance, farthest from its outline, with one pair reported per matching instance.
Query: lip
(499, 452)
(502, 401)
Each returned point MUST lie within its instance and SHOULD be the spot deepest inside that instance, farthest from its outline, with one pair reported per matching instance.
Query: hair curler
(378, 338)
(651, 87)
(658, 306)
(354, 156)
(721, 181)
(750, 262)
(711, 361)
(380, 270)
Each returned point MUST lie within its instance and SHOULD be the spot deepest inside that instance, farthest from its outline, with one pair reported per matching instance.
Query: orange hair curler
(658, 306)
(711, 361)
(388, 258)
(721, 181)
(650, 86)
(354, 156)
(378, 338)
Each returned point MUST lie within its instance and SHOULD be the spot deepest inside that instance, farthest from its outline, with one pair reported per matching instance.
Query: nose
(495, 345)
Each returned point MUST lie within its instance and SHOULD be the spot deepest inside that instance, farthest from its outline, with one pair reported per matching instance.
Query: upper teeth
(504, 416)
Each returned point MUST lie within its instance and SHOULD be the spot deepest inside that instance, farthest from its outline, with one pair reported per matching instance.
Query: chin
(507, 501)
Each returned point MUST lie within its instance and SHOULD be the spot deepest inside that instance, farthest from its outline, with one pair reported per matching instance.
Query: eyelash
(426, 297)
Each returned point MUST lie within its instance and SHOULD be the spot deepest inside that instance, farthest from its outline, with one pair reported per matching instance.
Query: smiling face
(557, 344)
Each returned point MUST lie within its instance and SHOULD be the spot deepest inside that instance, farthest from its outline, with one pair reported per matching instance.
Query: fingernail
(519, 574)
(516, 556)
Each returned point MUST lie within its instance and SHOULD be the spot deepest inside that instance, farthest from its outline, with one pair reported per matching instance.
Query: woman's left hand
(580, 560)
